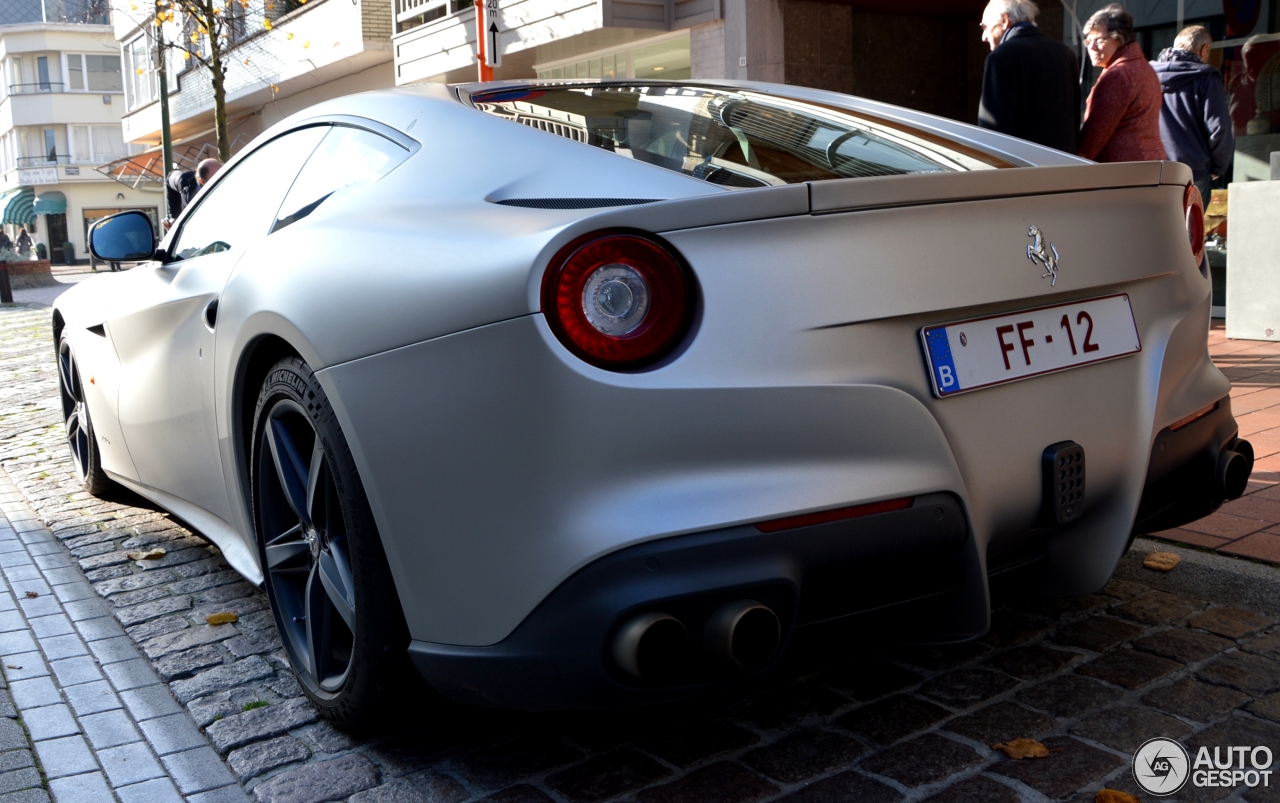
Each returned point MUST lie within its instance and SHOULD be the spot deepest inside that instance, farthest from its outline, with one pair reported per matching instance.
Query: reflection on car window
(240, 206)
(348, 157)
(735, 138)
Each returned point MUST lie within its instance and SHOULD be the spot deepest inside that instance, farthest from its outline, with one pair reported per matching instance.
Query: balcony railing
(63, 159)
(42, 88)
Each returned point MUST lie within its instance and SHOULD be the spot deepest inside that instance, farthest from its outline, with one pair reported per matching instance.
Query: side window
(347, 157)
(240, 206)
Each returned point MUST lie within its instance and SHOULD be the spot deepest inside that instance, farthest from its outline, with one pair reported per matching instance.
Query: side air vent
(573, 203)
(100, 330)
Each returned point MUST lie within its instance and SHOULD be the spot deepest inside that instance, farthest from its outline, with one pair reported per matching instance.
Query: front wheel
(327, 576)
(86, 459)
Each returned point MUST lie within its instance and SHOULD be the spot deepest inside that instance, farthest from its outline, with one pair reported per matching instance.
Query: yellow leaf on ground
(1113, 796)
(1022, 748)
(150, 554)
(1161, 561)
(221, 618)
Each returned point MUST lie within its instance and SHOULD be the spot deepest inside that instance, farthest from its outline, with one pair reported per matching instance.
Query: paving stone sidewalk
(99, 717)
(1152, 655)
(1248, 527)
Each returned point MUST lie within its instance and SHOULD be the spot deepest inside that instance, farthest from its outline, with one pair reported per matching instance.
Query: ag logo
(1160, 766)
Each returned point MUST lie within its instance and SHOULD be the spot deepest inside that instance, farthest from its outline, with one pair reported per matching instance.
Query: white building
(435, 40)
(61, 97)
(286, 55)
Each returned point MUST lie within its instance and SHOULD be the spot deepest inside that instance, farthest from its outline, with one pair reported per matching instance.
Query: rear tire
(326, 573)
(86, 459)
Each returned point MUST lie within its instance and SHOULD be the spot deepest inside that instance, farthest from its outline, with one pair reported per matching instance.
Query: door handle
(211, 314)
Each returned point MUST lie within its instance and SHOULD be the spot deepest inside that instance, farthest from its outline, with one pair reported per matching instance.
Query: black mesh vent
(573, 203)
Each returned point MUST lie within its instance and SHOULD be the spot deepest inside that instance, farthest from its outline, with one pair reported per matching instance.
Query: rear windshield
(735, 138)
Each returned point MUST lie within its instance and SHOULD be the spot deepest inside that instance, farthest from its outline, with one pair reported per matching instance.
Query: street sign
(492, 22)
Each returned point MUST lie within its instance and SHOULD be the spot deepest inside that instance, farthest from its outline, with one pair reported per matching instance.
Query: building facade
(61, 98)
(284, 55)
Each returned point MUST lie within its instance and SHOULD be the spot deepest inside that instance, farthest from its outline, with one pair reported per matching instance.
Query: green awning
(50, 203)
(18, 208)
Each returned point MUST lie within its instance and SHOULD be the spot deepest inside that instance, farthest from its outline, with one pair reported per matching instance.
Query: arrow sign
(492, 53)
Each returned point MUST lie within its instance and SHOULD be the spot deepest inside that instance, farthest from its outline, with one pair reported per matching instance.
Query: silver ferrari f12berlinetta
(582, 394)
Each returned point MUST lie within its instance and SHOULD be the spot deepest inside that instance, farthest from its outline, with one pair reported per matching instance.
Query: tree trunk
(219, 101)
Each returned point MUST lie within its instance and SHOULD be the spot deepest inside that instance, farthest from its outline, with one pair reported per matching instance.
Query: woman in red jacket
(1122, 115)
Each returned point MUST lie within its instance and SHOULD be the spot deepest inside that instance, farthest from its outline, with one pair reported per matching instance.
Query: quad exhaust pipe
(655, 646)
(1235, 464)
(652, 646)
(744, 633)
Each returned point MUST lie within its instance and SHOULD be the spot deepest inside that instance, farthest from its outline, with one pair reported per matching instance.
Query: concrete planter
(1253, 262)
(30, 273)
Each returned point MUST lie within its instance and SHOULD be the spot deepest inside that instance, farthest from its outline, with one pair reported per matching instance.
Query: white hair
(1018, 10)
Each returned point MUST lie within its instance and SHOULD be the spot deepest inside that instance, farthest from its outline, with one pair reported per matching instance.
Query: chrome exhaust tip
(744, 633)
(651, 646)
(1235, 464)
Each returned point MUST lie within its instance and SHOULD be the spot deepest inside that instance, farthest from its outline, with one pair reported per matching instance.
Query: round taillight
(1193, 209)
(616, 300)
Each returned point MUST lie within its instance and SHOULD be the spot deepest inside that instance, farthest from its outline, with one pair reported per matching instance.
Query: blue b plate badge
(983, 352)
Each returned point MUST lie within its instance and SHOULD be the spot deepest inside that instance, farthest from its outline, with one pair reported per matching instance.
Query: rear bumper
(1182, 482)
(558, 657)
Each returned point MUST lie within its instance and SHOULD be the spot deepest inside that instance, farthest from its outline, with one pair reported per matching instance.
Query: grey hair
(1192, 38)
(1018, 10)
(1114, 23)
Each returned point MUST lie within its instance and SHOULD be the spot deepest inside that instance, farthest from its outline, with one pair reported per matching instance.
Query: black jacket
(180, 187)
(1031, 90)
(1195, 121)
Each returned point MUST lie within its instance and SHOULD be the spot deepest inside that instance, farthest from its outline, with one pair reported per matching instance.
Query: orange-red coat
(1122, 115)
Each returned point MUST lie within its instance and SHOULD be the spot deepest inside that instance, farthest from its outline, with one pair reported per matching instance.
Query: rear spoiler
(845, 195)
(855, 194)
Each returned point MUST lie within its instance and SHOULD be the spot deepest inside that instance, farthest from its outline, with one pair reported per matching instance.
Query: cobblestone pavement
(1249, 526)
(1193, 654)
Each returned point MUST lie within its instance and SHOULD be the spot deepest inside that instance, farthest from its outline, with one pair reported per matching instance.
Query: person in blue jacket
(1195, 121)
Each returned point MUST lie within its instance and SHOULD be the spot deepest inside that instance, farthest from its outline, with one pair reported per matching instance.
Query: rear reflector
(839, 514)
(1193, 211)
(1191, 419)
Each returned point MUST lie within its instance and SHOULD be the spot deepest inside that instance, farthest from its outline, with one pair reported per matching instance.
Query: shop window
(667, 60)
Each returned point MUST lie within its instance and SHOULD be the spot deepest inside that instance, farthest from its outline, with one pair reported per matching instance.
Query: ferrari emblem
(1046, 258)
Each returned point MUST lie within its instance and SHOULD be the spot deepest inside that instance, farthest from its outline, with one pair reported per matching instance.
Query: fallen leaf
(32, 594)
(1022, 748)
(1113, 796)
(150, 554)
(221, 618)
(1161, 561)
(13, 666)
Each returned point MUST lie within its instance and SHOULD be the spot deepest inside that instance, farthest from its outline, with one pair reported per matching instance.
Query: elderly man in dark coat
(1195, 120)
(1030, 86)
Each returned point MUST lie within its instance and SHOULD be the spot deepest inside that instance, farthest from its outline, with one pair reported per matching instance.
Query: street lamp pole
(166, 140)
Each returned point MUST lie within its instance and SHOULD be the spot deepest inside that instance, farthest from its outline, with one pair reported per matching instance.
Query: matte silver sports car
(585, 393)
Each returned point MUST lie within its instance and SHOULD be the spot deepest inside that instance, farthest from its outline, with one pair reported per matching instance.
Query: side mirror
(123, 237)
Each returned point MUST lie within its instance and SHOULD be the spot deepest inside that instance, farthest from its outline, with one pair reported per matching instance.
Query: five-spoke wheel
(85, 457)
(326, 573)
(305, 541)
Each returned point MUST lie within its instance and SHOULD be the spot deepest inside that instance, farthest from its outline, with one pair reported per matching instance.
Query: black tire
(81, 440)
(325, 571)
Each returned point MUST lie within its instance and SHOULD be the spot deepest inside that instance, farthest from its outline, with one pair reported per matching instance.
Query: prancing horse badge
(1046, 258)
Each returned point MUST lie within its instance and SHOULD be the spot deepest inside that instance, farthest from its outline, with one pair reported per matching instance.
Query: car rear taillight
(617, 300)
(1193, 210)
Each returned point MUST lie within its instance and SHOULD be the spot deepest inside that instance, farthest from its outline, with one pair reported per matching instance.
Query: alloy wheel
(74, 412)
(305, 548)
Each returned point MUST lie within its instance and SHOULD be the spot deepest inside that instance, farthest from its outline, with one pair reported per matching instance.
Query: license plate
(982, 352)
